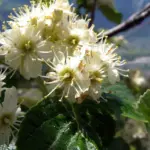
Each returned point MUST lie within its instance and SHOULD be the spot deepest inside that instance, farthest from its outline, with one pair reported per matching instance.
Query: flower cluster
(9, 111)
(55, 35)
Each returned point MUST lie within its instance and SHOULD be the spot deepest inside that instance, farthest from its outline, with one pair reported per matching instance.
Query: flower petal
(10, 100)
(31, 68)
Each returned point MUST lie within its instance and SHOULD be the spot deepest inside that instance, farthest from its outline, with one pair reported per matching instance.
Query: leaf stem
(42, 86)
(75, 112)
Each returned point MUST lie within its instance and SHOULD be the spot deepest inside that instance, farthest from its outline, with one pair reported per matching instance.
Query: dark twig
(93, 13)
(133, 21)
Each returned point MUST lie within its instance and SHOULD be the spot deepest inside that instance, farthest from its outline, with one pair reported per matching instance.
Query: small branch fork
(131, 22)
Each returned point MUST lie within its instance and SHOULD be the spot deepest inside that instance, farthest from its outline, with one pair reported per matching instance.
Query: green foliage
(38, 118)
(125, 102)
(50, 126)
(108, 11)
(79, 141)
(62, 126)
(121, 90)
(144, 104)
(111, 13)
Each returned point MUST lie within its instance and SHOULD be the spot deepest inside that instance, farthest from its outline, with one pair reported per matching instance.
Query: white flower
(97, 77)
(26, 15)
(2, 77)
(96, 70)
(8, 115)
(110, 60)
(113, 75)
(73, 34)
(31, 97)
(62, 5)
(55, 29)
(70, 76)
(24, 47)
(78, 28)
(39, 14)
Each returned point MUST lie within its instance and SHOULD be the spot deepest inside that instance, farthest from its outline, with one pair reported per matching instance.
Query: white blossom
(39, 14)
(62, 5)
(2, 77)
(24, 47)
(54, 34)
(30, 97)
(96, 69)
(26, 15)
(111, 60)
(8, 115)
(70, 76)
(84, 35)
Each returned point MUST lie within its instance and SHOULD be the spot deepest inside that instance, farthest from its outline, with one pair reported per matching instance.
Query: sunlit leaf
(111, 13)
(144, 104)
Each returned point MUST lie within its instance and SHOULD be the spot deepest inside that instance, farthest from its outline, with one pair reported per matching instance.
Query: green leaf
(55, 125)
(95, 121)
(50, 126)
(144, 104)
(52, 134)
(122, 101)
(111, 13)
(79, 142)
(129, 110)
(121, 90)
(36, 119)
